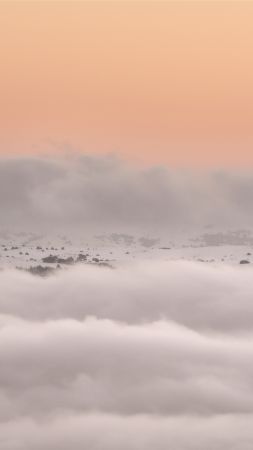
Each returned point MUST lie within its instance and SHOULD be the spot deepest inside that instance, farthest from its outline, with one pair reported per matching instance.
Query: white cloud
(109, 432)
(139, 360)
(195, 295)
(149, 355)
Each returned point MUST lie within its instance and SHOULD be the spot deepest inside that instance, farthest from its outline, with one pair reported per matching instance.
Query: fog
(149, 354)
(89, 193)
(146, 355)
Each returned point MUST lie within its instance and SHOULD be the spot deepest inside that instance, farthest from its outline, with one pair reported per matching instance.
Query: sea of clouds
(148, 355)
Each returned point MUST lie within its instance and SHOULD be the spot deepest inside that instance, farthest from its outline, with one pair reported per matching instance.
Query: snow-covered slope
(25, 250)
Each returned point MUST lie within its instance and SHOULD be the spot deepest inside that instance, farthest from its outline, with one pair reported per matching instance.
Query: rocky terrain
(43, 255)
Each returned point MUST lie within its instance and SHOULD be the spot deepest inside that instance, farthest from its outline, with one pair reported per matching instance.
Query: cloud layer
(148, 355)
(140, 360)
(100, 193)
(193, 295)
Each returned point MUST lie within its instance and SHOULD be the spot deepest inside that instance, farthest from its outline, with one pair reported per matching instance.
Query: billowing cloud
(194, 295)
(144, 355)
(140, 360)
(98, 193)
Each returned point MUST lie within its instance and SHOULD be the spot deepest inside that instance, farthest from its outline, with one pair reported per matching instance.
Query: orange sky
(164, 82)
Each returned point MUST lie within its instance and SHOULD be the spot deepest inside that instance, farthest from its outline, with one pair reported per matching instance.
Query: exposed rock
(39, 270)
(68, 260)
(54, 259)
(51, 259)
(81, 257)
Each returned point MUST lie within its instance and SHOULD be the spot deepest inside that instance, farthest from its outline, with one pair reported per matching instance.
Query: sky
(131, 121)
(167, 83)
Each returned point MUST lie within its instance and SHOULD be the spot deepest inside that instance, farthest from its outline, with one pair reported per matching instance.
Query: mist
(94, 194)
(138, 360)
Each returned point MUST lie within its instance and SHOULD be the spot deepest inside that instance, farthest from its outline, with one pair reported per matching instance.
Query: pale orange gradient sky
(164, 82)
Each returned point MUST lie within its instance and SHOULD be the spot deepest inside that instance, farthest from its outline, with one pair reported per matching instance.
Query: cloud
(139, 360)
(148, 355)
(98, 193)
(108, 432)
(159, 368)
(207, 299)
